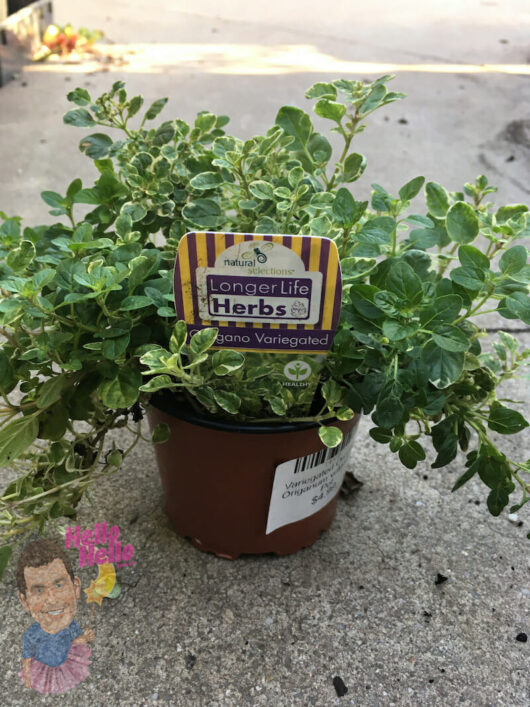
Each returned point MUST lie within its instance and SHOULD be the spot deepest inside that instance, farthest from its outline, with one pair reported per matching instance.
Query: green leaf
(472, 257)
(354, 166)
(123, 225)
(362, 299)
(509, 341)
(136, 212)
(16, 437)
(319, 148)
(511, 211)
(469, 278)
(134, 106)
(205, 396)
(420, 220)
(374, 100)
(445, 367)
(395, 443)
(87, 196)
(51, 391)
(381, 435)
(465, 477)
(396, 330)
(155, 108)
(492, 470)
(451, 338)
(462, 222)
(443, 309)
(53, 421)
(204, 213)
(445, 441)
(410, 189)
(115, 458)
(205, 121)
(403, 281)
(506, 421)
(225, 362)
(109, 187)
(332, 392)
(178, 337)
(513, 260)
(5, 555)
(331, 110)
(83, 233)
(96, 146)
(498, 499)
(53, 199)
(123, 391)
(19, 258)
(437, 199)
(261, 190)
(321, 90)
(278, 405)
(344, 208)
(202, 340)
(295, 123)
(206, 180)
(104, 165)
(377, 231)
(228, 401)
(79, 96)
(320, 226)
(139, 267)
(411, 453)
(135, 302)
(330, 436)
(517, 305)
(161, 433)
(157, 383)
(79, 117)
(6, 370)
(389, 413)
(115, 346)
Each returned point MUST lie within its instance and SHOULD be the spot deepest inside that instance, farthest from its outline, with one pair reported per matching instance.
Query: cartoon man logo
(298, 309)
(55, 656)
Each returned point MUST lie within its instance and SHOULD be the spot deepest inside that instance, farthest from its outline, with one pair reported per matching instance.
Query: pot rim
(174, 407)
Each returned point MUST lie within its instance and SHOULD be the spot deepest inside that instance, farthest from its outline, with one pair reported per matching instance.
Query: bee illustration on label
(258, 252)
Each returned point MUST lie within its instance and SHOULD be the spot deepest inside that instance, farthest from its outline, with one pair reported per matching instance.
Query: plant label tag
(305, 485)
(264, 293)
(276, 297)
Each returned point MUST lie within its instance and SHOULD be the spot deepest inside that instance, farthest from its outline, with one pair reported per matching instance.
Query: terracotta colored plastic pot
(218, 478)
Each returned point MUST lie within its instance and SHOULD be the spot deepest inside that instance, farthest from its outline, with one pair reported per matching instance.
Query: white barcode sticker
(305, 485)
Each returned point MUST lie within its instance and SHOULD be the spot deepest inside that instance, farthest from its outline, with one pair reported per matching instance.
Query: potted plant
(91, 338)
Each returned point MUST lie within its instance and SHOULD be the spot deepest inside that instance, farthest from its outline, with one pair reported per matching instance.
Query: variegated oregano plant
(88, 325)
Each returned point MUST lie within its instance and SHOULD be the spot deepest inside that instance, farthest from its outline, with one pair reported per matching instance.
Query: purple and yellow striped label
(263, 292)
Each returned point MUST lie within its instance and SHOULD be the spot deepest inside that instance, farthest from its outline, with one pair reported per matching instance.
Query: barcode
(324, 455)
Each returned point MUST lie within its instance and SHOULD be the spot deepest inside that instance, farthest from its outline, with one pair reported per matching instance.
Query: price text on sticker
(305, 485)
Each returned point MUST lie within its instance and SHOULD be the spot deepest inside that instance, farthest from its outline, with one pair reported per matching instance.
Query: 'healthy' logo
(297, 370)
